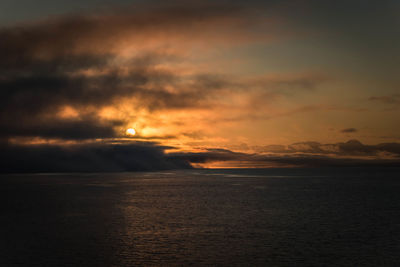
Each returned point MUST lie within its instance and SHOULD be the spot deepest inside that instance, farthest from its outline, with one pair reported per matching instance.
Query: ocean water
(276, 217)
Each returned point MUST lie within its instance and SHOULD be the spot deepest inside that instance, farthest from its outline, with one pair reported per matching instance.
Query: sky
(202, 84)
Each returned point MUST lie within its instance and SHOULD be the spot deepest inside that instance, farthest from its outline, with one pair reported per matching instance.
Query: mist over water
(276, 217)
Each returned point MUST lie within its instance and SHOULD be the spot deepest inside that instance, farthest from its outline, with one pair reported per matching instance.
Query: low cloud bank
(147, 156)
(87, 158)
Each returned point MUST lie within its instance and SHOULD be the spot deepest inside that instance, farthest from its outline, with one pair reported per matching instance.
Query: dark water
(202, 218)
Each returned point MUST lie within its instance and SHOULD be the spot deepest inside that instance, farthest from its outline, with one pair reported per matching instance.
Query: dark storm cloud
(98, 157)
(77, 129)
(29, 104)
(36, 93)
(349, 130)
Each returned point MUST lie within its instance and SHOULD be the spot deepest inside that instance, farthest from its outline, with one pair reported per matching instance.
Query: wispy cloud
(387, 99)
(349, 130)
(349, 148)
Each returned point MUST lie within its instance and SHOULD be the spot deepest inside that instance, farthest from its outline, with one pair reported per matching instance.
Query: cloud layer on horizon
(145, 156)
(94, 157)
(305, 154)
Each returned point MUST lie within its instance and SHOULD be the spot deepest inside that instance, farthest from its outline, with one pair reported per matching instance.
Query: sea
(202, 217)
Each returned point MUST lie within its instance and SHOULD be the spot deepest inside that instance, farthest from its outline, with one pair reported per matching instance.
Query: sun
(130, 131)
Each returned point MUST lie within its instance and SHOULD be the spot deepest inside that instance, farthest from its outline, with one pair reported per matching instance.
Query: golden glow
(68, 112)
(131, 132)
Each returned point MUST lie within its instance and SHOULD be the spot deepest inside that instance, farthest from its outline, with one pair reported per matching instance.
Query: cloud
(31, 104)
(388, 99)
(349, 130)
(77, 129)
(325, 161)
(139, 27)
(307, 154)
(144, 156)
(78, 62)
(226, 158)
(349, 148)
(79, 78)
(93, 157)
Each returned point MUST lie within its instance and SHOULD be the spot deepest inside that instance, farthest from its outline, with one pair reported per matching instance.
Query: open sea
(242, 217)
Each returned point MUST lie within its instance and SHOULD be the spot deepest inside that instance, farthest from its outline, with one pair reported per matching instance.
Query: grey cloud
(349, 148)
(68, 35)
(349, 130)
(41, 70)
(388, 99)
(29, 95)
(77, 129)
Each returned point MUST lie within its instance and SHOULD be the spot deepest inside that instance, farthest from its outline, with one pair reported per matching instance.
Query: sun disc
(130, 131)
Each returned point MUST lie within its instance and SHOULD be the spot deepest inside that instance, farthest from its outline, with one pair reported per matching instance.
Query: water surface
(274, 217)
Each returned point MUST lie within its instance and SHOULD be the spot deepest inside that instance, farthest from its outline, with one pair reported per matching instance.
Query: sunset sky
(201, 83)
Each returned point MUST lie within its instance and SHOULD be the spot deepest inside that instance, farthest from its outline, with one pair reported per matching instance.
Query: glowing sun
(131, 131)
